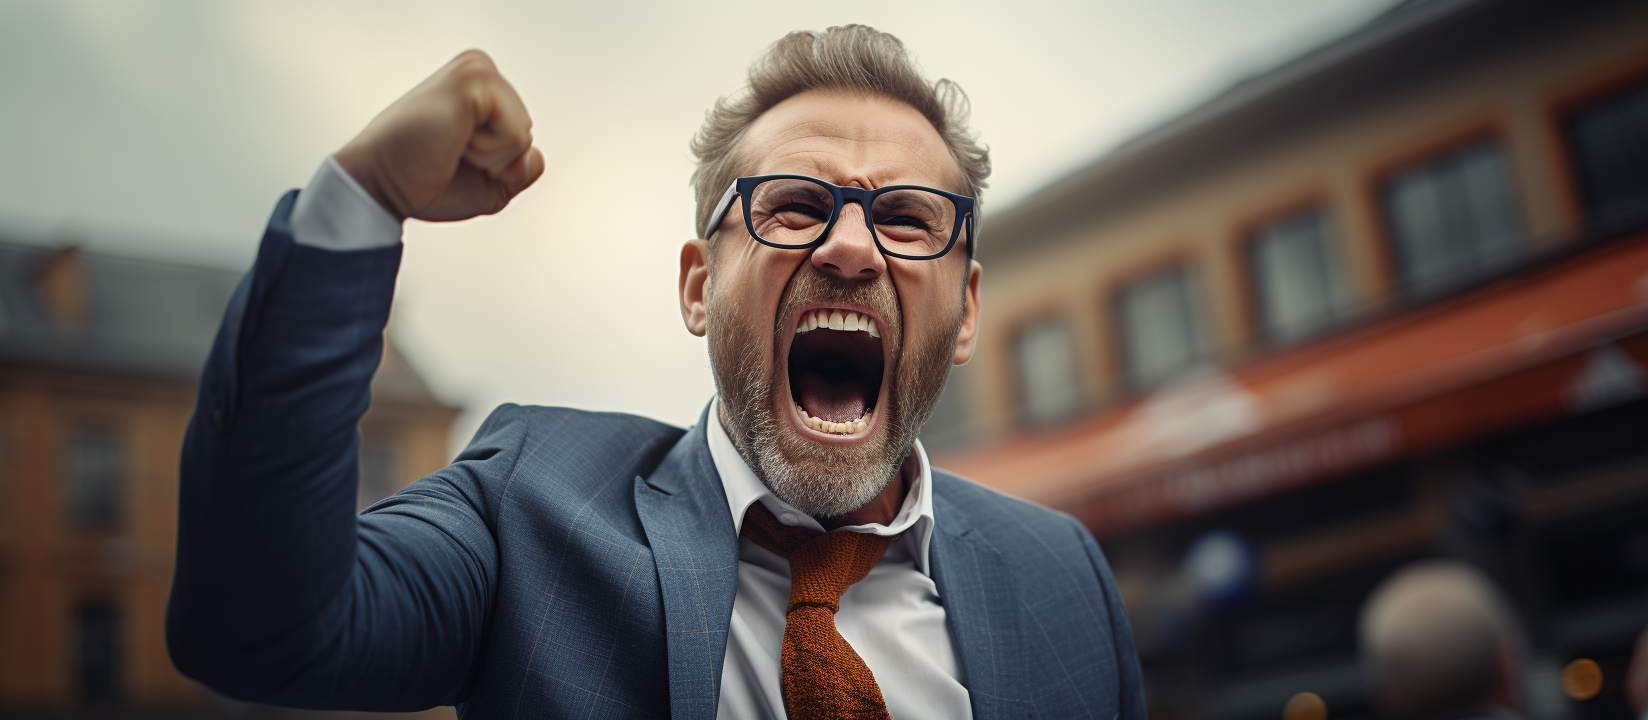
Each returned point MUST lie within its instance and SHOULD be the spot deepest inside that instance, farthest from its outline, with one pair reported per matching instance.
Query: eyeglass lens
(794, 212)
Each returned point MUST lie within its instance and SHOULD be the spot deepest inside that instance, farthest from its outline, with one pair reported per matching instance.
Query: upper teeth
(836, 320)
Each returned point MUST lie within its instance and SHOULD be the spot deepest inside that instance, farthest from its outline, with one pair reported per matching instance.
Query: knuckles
(473, 67)
(455, 110)
(475, 58)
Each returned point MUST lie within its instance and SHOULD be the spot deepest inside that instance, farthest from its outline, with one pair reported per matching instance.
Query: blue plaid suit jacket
(568, 564)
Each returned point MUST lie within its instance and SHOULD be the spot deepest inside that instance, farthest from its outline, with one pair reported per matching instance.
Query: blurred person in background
(1440, 640)
(792, 554)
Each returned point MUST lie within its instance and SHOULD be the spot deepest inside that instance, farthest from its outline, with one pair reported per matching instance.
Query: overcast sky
(168, 130)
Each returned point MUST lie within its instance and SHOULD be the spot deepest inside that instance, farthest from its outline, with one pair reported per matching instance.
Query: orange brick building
(98, 356)
(1386, 301)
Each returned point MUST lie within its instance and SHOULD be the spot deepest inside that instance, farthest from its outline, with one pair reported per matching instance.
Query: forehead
(849, 139)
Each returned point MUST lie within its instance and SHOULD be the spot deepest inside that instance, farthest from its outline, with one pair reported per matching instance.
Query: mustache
(811, 285)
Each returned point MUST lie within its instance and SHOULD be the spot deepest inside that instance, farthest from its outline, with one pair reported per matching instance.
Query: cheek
(930, 300)
(747, 290)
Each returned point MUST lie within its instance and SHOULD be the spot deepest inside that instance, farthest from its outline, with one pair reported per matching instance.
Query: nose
(850, 252)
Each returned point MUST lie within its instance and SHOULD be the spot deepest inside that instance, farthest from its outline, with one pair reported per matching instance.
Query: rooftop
(1411, 39)
(63, 307)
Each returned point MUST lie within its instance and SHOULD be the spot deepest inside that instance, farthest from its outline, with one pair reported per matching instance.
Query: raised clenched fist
(458, 145)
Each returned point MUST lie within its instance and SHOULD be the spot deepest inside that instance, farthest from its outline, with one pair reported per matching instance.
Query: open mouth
(835, 370)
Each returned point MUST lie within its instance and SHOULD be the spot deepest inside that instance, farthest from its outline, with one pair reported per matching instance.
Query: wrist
(334, 212)
(358, 164)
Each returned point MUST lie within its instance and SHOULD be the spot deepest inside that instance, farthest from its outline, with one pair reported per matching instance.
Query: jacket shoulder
(1007, 519)
(568, 438)
(978, 499)
(1057, 576)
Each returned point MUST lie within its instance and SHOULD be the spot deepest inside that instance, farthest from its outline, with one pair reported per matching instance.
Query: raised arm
(281, 594)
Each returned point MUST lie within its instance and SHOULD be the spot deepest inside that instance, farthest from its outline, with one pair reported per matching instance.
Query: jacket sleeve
(1130, 679)
(281, 593)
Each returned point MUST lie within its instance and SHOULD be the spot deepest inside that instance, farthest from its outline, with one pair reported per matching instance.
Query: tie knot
(822, 567)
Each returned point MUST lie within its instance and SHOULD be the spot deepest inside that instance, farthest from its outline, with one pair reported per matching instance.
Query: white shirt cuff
(335, 213)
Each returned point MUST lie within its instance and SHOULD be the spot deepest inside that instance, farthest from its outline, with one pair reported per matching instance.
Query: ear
(966, 339)
(695, 280)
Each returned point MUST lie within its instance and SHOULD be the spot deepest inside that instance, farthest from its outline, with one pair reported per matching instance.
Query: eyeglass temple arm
(721, 209)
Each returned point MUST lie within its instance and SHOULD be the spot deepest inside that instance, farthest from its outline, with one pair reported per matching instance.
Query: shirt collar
(743, 488)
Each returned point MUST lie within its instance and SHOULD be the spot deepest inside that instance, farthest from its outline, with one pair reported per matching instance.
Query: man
(792, 554)
(1439, 640)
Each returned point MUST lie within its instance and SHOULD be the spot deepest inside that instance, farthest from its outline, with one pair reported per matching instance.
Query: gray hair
(849, 57)
(1435, 637)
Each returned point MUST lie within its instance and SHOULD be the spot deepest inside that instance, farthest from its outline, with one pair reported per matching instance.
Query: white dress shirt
(893, 617)
(334, 212)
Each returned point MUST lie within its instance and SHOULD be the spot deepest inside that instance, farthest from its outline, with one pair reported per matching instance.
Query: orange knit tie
(822, 676)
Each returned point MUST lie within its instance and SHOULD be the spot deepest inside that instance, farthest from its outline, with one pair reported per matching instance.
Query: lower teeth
(834, 428)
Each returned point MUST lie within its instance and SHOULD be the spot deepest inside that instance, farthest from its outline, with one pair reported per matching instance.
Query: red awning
(1563, 338)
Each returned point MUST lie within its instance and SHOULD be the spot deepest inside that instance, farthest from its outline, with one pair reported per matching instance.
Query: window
(1610, 148)
(1045, 357)
(97, 651)
(1160, 327)
(1452, 220)
(92, 460)
(377, 469)
(1298, 278)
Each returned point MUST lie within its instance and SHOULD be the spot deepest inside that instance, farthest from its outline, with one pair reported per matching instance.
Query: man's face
(826, 416)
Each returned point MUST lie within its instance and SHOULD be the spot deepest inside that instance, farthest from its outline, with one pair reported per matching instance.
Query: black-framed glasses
(797, 212)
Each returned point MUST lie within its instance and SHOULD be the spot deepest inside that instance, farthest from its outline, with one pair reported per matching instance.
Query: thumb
(473, 191)
(523, 172)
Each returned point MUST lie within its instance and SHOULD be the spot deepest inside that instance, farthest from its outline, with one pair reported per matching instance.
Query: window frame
(1558, 116)
(1441, 146)
(1557, 106)
(73, 509)
(1339, 236)
(1182, 260)
(1015, 335)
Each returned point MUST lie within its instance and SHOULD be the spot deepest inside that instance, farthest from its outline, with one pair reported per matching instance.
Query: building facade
(1387, 301)
(98, 356)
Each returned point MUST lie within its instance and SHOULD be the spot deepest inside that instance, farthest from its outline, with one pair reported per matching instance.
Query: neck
(884, 507)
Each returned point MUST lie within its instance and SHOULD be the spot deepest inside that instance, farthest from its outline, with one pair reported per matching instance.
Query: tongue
(839, 401)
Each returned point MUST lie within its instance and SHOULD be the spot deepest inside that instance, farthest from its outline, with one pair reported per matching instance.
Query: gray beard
(824, 481)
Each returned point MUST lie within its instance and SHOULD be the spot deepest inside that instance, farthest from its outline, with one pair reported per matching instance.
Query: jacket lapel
(683, 509)
(984, 614)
